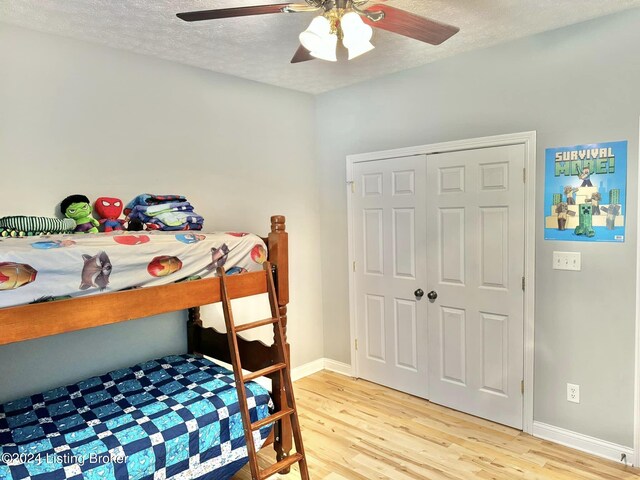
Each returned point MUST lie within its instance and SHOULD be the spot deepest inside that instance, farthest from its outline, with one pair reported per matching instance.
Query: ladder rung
(264, 371)
(259, 323)
(281, 465)
(271, 418)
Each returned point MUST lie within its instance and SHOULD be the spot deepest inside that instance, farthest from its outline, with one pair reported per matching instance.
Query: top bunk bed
(97, 305)
(62, 283)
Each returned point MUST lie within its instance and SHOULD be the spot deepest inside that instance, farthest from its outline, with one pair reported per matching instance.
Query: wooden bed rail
(27, 322)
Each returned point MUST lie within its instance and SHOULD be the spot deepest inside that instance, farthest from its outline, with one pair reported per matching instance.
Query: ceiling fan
(349, 21)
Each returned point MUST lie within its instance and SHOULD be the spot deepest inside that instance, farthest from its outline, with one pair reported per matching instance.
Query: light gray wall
(576, 85)
(80, 118)
(37, 365)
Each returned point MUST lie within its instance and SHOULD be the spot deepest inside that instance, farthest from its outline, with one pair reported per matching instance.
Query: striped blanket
(21, 226)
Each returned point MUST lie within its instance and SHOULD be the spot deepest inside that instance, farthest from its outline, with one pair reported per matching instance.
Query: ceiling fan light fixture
(346, 20)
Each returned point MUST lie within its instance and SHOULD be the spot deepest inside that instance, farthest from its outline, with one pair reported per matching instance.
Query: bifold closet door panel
(389, 224)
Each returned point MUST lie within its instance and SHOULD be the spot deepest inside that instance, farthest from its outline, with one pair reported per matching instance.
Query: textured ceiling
(259, 48)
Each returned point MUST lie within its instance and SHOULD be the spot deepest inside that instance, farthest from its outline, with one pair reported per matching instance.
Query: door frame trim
(528, 139)
(636, 401)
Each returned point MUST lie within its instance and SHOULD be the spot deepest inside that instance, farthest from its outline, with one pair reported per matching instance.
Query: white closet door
(475, 251)
(389, 215)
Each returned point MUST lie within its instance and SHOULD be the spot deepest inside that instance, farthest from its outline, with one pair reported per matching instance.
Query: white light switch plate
(567, 261)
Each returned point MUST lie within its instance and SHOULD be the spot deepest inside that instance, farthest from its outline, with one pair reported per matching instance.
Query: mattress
(37, 269)
(171, 418)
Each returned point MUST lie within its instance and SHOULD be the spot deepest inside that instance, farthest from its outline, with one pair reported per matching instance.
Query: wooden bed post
(193, 334)
(278, 243)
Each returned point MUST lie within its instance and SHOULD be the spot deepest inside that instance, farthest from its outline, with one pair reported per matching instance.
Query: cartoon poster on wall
(585, 192)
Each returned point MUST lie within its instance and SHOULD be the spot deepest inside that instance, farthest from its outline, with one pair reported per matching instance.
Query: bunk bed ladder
(281, 365)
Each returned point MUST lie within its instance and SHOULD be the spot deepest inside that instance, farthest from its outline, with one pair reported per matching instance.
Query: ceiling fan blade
(302, 55)
(411, 25)
(244, 11)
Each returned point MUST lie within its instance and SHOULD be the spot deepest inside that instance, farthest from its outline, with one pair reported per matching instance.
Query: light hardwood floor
(354, 429)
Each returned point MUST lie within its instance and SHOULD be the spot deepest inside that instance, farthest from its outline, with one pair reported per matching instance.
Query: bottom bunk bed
(176, 417)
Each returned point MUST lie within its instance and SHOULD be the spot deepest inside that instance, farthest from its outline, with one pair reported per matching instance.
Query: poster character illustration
(585, 192)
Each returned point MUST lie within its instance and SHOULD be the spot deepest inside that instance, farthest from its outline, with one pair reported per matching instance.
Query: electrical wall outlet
(573, 393)
(567, 261)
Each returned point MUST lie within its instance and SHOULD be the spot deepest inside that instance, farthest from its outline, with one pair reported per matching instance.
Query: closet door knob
(432, 295)
(419, 293)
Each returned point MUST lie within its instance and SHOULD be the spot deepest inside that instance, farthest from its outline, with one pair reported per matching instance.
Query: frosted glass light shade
(357, 50)
(357, 35)
(327, 50)
(313, 37)
(350, 22)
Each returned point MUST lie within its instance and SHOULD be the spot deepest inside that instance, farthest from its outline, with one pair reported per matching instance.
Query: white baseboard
(338, 367)
(307, 369)
(302, 371)
(584, 443)
(317, 366)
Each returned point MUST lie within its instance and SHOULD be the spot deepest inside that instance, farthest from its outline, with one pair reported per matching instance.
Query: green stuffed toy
(585, 221)
(78, 208)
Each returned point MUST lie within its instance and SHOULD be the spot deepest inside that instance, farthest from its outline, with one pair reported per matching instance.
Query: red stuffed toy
(109, 210)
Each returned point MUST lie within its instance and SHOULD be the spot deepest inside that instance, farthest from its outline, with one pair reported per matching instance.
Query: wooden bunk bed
(26, 322)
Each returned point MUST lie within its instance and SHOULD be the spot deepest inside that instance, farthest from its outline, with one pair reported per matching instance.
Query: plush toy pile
(163, 212)
(146, 211)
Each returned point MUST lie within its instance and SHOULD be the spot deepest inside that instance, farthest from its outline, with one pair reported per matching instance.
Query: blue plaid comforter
(176, 417)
